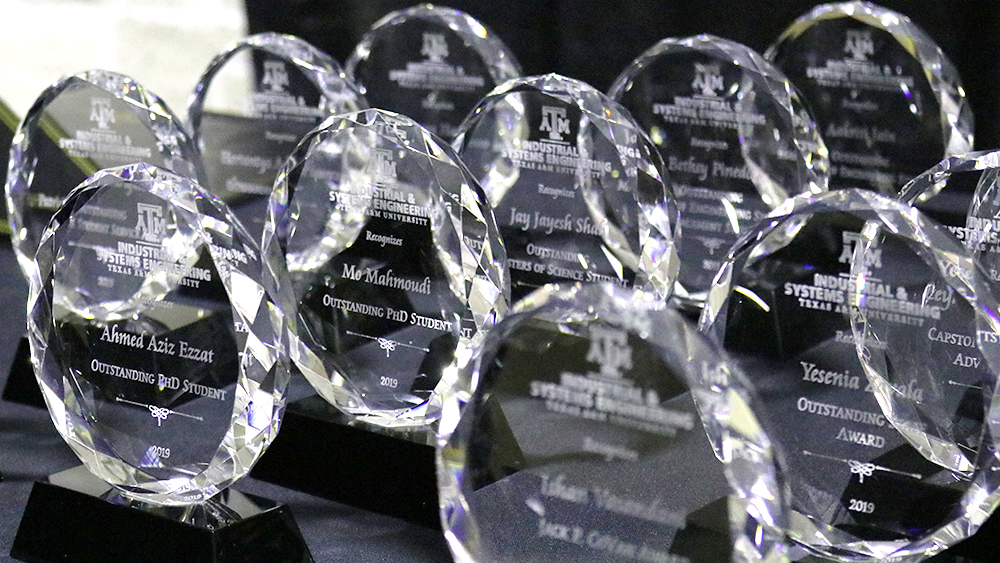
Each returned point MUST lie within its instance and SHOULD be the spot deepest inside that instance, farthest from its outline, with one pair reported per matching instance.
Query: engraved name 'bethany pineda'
(376, 276)
(160, 345)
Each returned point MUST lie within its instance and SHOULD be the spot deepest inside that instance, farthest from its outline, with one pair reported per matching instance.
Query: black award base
(77, 517)
(322, 452)
(21, 385)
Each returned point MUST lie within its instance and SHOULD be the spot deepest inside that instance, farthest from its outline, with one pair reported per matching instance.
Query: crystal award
(430, 63)
(579, 191)
(782, 307)
(887, 100)
(81, 124)
(395, 260)
(253, 104)
(590, 437)
(158, 335)
(946, 422)
(982, 236)
(736, 138)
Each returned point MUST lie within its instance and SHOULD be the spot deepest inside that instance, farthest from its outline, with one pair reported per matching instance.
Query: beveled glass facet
(862, 487)
(253, 104)
(887, 100)
(735, 137)
(395, 259)
(603, 427)
(81, 124)
(579, 191)
(158, 335)
(430, 63)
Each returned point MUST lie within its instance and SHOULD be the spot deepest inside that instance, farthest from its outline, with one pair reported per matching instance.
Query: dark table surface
(30, 450)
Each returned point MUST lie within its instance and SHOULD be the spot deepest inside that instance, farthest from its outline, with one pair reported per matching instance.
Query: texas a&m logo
(609, 349)
(275, 76)
(859, 44)
(434, 47)
(101, 112)
(873, 256)
(382, 166)
(707, 79)
(151, 225)
(554, 122)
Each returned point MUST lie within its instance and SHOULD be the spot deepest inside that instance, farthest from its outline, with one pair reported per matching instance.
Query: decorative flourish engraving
(863, 469)
(159, 413)
(388, 344)
(711, 243)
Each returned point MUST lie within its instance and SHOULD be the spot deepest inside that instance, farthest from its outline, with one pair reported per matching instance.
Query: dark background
(594, 40)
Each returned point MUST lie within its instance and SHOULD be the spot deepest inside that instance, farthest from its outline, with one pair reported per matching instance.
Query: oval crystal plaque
(81, 124)
(430, 63)
(887, 100)
(782, 308)
(946, 422)
(395, 259)
(585, 440)
(252, 106)
(578, 189)
(736, 138)
(173, 397)
(982, 236)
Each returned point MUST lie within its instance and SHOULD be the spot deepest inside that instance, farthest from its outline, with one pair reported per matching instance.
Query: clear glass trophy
(579, 191)
(736, 139)
(253, 104)
(827, 325)
(81, 124)
(396, 264)
(887, 100)
(159, 338)
(943, 422)
(430, 63)
(982, 236)
(604, 427)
